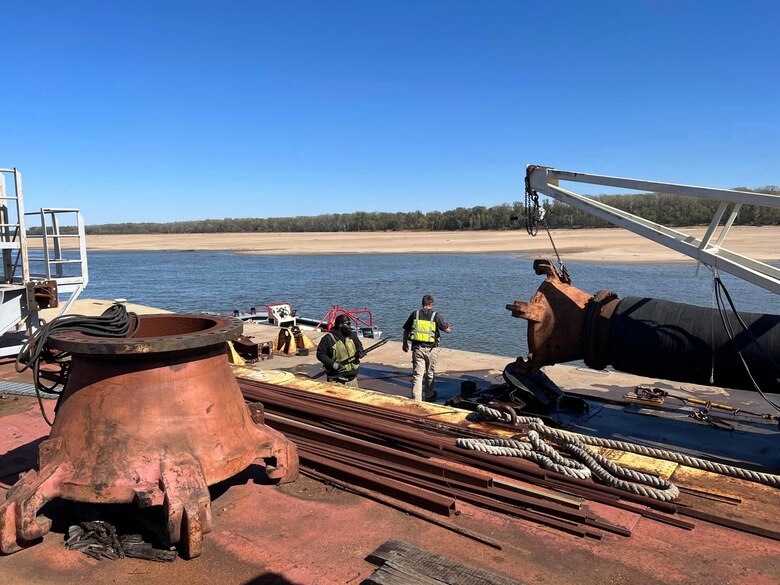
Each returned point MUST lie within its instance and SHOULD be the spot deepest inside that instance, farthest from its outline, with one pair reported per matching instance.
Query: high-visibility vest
(343, 351)
(423, 330)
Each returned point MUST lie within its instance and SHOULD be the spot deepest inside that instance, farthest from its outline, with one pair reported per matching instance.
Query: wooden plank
(406, 558)
(393, 573)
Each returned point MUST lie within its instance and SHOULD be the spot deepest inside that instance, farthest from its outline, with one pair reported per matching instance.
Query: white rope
(586, 463)
(559, 435)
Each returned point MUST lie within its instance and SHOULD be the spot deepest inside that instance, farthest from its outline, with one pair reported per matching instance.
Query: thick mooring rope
(560, 436)
(585, 464)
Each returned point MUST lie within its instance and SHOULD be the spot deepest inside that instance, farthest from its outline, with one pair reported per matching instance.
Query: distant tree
(663, 208)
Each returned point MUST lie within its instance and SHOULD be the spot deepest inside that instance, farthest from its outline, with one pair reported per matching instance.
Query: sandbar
(608, 245)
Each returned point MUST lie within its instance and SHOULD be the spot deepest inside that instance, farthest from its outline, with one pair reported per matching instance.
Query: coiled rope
(115, 321)
(558, 435)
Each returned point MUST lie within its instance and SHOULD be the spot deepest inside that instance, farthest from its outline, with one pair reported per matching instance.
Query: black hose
(657, 338)
(115, 321)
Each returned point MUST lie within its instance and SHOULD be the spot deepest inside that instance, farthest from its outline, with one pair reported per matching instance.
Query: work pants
(353, 383)
(423, 371)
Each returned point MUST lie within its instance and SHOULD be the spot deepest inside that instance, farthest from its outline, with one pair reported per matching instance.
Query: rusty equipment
(153, 420)
(291, 340)
(253, 351)
(243, 351)
(358, 442)
(647, 337)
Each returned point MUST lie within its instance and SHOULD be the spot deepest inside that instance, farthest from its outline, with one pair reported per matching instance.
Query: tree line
(662, 208)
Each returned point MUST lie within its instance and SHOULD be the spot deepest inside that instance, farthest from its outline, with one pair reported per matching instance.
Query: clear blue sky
(162, 111)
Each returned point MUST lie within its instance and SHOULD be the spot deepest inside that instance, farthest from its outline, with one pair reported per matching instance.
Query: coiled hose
(115, 321)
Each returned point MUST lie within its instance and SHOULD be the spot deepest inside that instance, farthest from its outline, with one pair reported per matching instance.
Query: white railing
(547, 180)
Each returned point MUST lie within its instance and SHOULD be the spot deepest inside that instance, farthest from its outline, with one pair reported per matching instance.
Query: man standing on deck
(340, 351)
(423, 328)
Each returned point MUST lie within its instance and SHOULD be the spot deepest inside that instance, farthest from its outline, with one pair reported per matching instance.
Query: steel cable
(720, 289)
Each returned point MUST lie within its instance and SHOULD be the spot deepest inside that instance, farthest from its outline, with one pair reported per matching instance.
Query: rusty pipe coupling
(564, 323)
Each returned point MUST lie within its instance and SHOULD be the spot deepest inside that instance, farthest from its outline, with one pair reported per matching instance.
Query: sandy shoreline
(592, 245)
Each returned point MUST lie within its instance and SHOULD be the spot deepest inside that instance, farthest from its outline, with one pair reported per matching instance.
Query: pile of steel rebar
(414, 459)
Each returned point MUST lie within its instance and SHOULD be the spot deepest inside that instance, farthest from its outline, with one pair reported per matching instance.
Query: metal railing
(54, 250)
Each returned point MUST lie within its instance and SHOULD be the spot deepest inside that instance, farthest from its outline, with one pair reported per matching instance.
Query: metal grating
(19, 389)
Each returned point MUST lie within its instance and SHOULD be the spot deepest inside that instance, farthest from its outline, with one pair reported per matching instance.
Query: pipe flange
(156, 334)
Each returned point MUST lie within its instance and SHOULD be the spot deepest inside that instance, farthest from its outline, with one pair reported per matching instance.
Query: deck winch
(153, 420)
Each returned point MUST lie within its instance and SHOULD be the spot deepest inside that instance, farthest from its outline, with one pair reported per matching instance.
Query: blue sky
(164, 111)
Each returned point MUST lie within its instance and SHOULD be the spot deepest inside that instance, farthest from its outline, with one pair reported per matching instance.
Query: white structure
(712, 253)
(39, 265)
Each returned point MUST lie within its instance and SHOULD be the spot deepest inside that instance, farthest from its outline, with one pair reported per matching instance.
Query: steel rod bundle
(378, 448)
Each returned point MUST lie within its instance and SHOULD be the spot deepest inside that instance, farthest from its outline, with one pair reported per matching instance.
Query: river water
(471, 290)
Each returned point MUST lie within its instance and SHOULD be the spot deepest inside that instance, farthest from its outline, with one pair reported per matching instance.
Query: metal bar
(326, 409)
(5, 234)
(55, 228)
(22, 228)
(545, 174)
(728, 224)
(508, 467)
(45, 244)
(539, 493)
(399, 506)
(710, 496)
(445, 470)
(82, 249)
(753, 271)
(370, 425)
(564, 480)
(572, 523)
(400, 490)
(49, 235)
(448, 487)
(730, 523)
(72, 299)
(713, 224)
(595, 495)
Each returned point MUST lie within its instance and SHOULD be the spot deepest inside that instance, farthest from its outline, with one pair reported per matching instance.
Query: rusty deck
(311, 533)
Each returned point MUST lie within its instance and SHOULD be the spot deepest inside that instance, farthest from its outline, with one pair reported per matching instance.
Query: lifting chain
(534, 214)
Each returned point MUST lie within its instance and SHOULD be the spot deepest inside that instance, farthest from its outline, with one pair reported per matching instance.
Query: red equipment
(358, 317)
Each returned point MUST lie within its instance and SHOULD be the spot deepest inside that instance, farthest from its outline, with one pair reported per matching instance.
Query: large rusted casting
(151, 420)
(560, 316)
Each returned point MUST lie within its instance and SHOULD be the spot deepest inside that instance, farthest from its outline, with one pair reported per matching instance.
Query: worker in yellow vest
(423, 328)
(340, 351)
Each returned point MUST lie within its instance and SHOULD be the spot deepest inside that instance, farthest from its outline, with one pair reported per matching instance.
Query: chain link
(531, 205)
(534, 214)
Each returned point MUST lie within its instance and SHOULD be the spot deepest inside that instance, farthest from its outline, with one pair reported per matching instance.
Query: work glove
(405, 347)
(361, 354)
(336, 366)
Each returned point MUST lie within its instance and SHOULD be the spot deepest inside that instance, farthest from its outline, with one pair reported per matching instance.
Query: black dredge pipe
(658, 338)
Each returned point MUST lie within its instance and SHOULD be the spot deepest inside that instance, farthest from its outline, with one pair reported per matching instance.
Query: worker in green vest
(340, 351)
(423, 328)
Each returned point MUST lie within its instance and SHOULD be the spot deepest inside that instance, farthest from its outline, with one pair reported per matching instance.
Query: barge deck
(309, 532)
